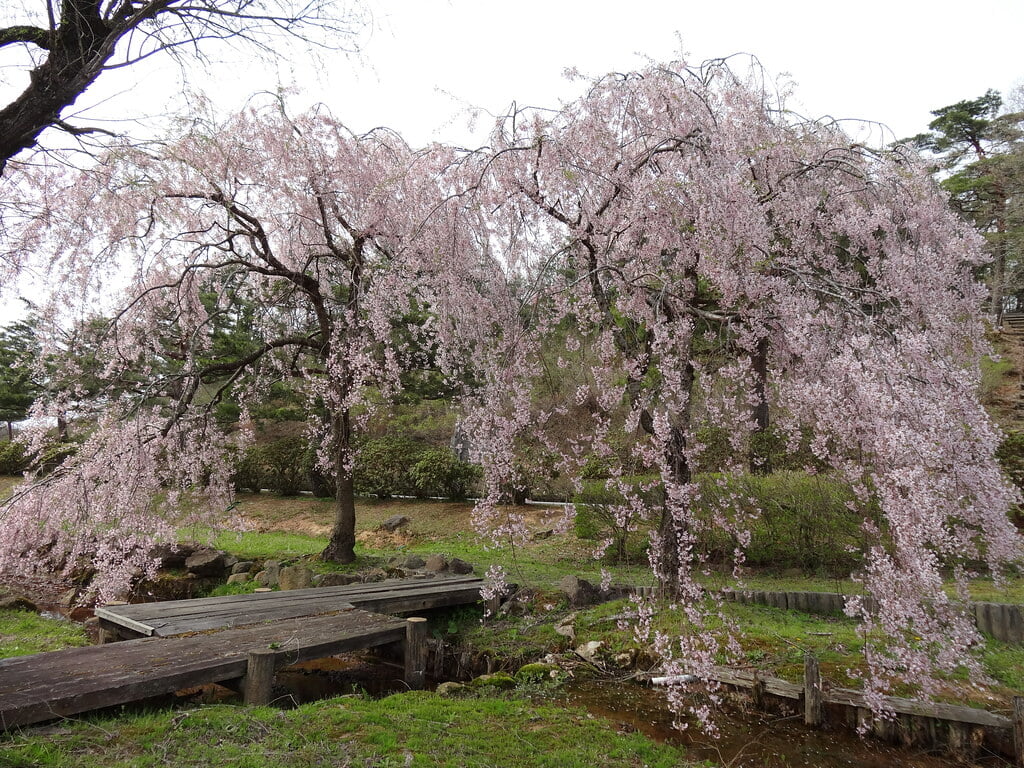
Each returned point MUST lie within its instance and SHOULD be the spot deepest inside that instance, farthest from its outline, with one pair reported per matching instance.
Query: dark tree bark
(92, 36)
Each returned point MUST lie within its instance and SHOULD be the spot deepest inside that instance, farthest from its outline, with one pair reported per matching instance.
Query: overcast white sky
(890, 62)
(423, 63)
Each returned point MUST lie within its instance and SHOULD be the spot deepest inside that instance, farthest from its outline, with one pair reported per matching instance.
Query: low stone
(436, 564)
(270, 576)
(579, 591)
(295, 577)
(205, 562)
(18, 603)
(566, 628)
(242, 566)
(172, 555)
(338, 579)
(449, 689)
(590, 651)
(498, 680)
(536, 672)
(460, 567)
(413, 562)
(624, 660)
(393, 523)
(238, 578)
(68, 600)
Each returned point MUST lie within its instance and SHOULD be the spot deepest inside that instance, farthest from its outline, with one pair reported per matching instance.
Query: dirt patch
(429, 519)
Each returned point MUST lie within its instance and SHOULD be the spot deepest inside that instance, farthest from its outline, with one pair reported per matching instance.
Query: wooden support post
(492, 605)
(757, 693)
(812, 691)
(259, 677)
(415, 652)
(1018, 731)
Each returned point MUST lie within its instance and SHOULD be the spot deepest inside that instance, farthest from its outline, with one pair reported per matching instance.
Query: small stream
(747, 739)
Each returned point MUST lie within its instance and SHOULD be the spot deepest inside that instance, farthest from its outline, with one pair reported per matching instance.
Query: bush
(13, 460)
(384, 467)
(284, 462)
(54, 455)
(804, 523)
(249, 470)
(439, 472)
(602, 511)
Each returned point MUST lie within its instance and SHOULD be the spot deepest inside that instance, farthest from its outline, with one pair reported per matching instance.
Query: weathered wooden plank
(922, 708)
(201, 614)
(143, 611)
(76, 680)
(813, 699)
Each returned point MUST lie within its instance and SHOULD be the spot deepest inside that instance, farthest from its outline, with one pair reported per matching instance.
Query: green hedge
(13, 459)
(804, 522)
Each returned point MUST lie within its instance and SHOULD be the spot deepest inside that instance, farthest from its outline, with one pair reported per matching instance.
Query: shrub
(603, 512)
(384, 467)
(284, 462)
(439, 472)
(249, 470)
(804, 522)
(13, 460)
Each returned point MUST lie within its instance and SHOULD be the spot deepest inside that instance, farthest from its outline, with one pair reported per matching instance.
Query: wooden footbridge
(236, 640)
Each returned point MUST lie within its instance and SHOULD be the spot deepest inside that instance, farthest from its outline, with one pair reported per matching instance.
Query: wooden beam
(259, 677)
(812, 691)
(415, 652)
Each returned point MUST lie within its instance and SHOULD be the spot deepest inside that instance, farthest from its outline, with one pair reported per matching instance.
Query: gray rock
(436, 564)
(295, 577)
(590, 651)
(18, 603)
(449, 689)
(172, 555)
(270, 576)
(238, 578)
(579, 591)
(338, 579)
(413, 562)
(393, 523)
(205, 562)
(243, 566)
(460, 567)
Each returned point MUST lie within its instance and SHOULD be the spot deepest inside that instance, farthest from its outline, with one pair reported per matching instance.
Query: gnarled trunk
(341, 548)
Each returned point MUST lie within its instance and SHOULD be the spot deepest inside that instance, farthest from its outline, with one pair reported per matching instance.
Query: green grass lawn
(25, 632)
(420, 730)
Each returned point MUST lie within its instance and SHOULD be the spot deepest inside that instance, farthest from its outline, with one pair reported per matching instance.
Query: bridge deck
(176, 617)
(62, 683)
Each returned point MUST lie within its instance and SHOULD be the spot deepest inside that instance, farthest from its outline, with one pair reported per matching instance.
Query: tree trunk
(760, 450)
(341, 548)
(671, 531)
